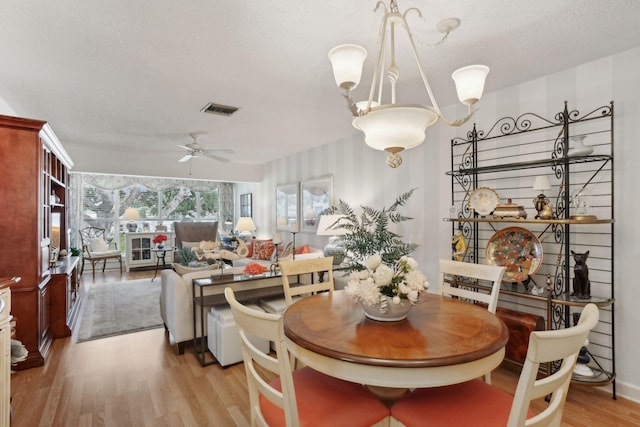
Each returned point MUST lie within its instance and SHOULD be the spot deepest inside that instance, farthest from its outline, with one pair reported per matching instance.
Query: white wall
(362, 177)
(5, 109)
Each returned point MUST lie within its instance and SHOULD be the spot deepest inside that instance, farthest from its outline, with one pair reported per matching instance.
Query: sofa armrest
(176, 304)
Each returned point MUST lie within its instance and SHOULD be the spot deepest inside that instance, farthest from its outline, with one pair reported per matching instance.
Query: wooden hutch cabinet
(34, 176)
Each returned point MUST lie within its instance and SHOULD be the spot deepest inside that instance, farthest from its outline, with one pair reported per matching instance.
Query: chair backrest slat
(268, 326)
(303, 267)
(550, 346)
(489, 273)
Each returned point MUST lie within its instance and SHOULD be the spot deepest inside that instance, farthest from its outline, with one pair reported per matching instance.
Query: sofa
(310, 254)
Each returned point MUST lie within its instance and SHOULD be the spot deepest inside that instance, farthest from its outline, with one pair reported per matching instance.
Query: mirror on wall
(286, 207)
(316, 197)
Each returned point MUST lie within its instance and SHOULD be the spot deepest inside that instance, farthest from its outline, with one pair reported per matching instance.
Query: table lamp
(541, 184)
(276, 240)
(329, 225)
(244, 227)
(132, 215)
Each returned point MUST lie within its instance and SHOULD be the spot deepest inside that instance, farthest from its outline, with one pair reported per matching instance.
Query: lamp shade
(276, 239)
(245, 223)
(294, 227)
(470, 82)
(346, 61)
(393, 126)
(131, 214)
(326, 226)
(541, 183)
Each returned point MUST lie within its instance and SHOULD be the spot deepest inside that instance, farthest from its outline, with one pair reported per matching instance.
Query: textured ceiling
(133, 75)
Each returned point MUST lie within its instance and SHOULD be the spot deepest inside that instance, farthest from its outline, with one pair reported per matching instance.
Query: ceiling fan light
(396, 125)
(470, 82)
(347, 61)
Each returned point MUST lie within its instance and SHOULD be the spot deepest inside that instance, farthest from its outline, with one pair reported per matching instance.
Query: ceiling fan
(195, 150)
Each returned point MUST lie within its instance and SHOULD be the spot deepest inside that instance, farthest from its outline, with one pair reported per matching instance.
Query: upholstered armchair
(195, 232)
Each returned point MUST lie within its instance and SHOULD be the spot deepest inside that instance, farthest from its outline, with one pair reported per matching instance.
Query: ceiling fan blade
(185, 158)
(219, 151)
(214, 157)
(184, 147)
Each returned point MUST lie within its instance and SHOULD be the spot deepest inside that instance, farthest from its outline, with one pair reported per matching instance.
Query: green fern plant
(368, 232)
(185, 256)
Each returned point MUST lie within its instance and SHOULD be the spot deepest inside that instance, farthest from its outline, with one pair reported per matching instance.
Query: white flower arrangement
(401, 281)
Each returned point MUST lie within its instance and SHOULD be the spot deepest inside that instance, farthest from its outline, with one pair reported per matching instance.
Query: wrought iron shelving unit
(507, 158)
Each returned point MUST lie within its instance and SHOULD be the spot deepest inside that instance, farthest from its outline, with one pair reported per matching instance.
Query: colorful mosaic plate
(518, 250)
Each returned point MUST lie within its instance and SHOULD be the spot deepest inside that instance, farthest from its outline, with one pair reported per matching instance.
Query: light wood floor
(139, 380)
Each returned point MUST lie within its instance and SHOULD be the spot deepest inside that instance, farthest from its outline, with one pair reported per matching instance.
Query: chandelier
(394, 127)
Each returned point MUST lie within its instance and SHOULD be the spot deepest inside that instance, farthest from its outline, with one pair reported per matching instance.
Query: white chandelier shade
(396, 127)
(347, 61)
(393, 126)
(470, 82)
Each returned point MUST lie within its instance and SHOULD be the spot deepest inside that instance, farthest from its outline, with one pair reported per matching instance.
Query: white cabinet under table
(139, 245)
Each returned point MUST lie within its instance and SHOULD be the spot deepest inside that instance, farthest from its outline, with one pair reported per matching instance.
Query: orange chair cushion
(473, 403)
(327, 401)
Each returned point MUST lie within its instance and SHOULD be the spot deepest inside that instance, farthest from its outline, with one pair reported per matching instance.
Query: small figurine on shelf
(581, 283)
(458, 246)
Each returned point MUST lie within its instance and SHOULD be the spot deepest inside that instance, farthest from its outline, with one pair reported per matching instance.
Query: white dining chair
(303, 397)
(476, 403)
(303, 267)
(452, 270)
(490, 273)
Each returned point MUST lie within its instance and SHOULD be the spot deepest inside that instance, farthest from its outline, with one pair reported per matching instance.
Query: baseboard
(628, 391)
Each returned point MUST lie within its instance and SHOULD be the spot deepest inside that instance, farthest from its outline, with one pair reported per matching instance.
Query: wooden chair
(476, 403)
(468, 270)
(303, 397)
(95, 249)
(302, 267)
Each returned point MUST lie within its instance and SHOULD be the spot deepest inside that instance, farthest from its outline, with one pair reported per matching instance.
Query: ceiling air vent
(219, 109)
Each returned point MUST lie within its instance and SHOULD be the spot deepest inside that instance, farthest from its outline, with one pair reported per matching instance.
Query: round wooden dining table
(442, 341)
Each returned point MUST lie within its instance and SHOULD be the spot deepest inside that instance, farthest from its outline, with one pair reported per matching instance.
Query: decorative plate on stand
(518, 250)
(483, 200)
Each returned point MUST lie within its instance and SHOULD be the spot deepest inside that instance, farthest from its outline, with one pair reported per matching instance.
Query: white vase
(579, 149)
(387, 311)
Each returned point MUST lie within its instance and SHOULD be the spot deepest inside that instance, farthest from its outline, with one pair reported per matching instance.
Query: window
(172, 200)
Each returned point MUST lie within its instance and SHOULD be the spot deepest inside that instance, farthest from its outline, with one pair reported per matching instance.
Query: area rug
(118, 308)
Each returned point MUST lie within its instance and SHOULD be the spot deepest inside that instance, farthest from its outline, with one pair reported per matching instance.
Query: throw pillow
(303, 250)
(285, 250)
(262, 249)
(250, 247)
(98, 245)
